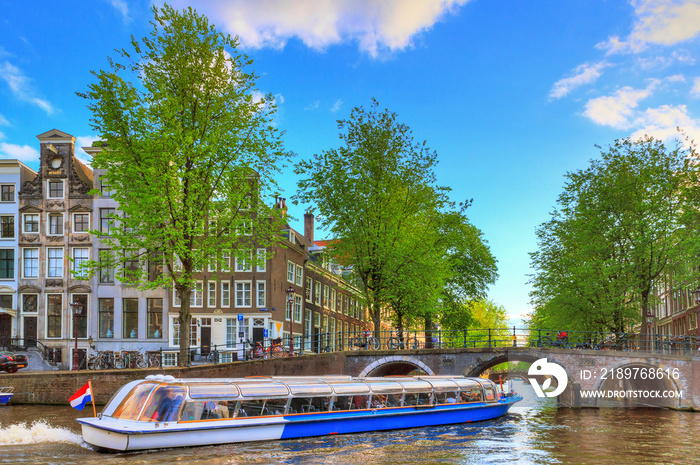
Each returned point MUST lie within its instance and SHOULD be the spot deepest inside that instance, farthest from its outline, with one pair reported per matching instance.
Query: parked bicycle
(258, 350)
(399, 343)
(366, 341)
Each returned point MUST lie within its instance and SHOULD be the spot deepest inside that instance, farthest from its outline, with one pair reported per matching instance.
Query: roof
(83, 172)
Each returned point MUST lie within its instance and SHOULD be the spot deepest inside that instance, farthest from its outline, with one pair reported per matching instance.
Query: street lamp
(77, 310)
(290, 301)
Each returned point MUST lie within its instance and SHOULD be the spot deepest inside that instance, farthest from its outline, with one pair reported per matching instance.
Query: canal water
(534, 432)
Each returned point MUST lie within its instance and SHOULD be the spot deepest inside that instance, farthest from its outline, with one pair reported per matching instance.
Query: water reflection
(534, 432)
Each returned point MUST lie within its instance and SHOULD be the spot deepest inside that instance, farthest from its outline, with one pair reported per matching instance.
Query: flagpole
(92, 396)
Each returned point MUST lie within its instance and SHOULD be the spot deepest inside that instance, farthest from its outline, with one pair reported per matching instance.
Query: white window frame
(48, 188)
(176, 299)
(24, 222)
(197, 297)
(226, 294)
(244, 292)
(317, 293)
(86, 312)
(226, 266)
(291, 271)
(73, 222)
(14, 227)
(48, 223)
(75, 263)
(299, 276)
(244, 265)
(48, 261)
(46, 314)
(21, 303)
(260, 300)
(262, 259)
(211, 294)
(310, 287)
(326, 295)
(297, 308)
(333, 298)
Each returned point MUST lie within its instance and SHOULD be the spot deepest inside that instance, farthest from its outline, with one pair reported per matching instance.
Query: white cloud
(695, 91)
(336, 106)
(658, 22)
(313, 106)
(389, 25)
(3, 121)
(122, 7)
(20, 86)
(664, 122)
(617, 109)
(585, 74)
(23, 153)
(84, 141)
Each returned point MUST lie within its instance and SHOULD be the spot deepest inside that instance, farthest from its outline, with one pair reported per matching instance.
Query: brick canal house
(295, 293)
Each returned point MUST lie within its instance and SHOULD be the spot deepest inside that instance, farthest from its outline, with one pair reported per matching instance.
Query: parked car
(10, 362)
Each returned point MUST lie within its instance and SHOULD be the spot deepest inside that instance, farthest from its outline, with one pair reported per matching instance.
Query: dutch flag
(82, 397)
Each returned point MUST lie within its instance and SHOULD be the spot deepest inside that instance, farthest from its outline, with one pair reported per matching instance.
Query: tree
(617, 231)
(189, 153)
(369, 194)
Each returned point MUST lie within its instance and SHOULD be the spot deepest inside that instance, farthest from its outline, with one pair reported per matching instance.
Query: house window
(7, 227)
(333, 299)
(177, 302)
(6, 301)
(225, 294)
(155, 266)
(55, 224)
(155, 318)
(130, 318)
(243, 294)
(81, 319)
(31, 223)
(81, 256)
(326, 291)
(226, 262)
(260, 294)
(346, 306)
(106, 270)
(262, 260)
(308, 290)
(131, 270)
(29, 303)
(212, 294)
(54, 263)
(106, 317)
(105, 188)
(30, 263)
(290, 272)
(54, 314)
(7, 263)
(55, 189)
(317, 294)
(7, 193)
(81, 222)
(297, 308)
(106, 222)
(244, 263)
(300, 276)
(196, 294)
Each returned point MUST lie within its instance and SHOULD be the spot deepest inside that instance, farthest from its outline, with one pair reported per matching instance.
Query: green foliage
(616, 233)
(189, 151)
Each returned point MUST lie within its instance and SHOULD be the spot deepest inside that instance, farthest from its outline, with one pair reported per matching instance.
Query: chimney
(309, 227)
(281, 205)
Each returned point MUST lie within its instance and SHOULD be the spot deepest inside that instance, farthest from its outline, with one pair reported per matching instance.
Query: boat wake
(37, 433)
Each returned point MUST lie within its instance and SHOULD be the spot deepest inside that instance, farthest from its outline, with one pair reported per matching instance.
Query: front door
(5, 330)
(30, 331)
(206, 340)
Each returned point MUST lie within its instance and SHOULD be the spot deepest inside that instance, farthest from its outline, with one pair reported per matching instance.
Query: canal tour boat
(164, 412)
(5, 395)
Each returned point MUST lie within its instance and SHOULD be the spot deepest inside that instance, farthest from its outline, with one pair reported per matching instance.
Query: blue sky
(511, 94)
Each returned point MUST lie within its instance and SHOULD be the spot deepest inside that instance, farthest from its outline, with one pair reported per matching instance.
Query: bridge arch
(395, 365)
(631, 383)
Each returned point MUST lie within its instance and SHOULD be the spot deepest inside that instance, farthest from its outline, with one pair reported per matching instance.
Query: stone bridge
(586, 370)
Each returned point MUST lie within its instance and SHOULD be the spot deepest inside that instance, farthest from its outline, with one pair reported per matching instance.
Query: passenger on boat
(222, 409)
(378, 401)
(169, 407)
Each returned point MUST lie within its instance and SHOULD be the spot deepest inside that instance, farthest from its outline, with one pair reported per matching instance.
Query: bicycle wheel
(154, 362)
(546, 342)
(354, 343)
(277, 351)
(372, 343)
(394, 343)
(141, 362)
(92, 363)
(118, 363)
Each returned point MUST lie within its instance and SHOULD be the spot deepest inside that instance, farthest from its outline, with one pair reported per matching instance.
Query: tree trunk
(428, 331)
(185, 319)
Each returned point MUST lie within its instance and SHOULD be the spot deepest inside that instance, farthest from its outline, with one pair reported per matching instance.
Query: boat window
(193, 411)
(446, 397)
(342, 403)
(130, 407)
(165, 403)
(350, 388)
(421, 398)
(213, 390)
(471, 394)
(360, 402)
(308, 389)
(394, 400)
(276, 406)
(263, 390)
(253, 408)
(489, 393)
